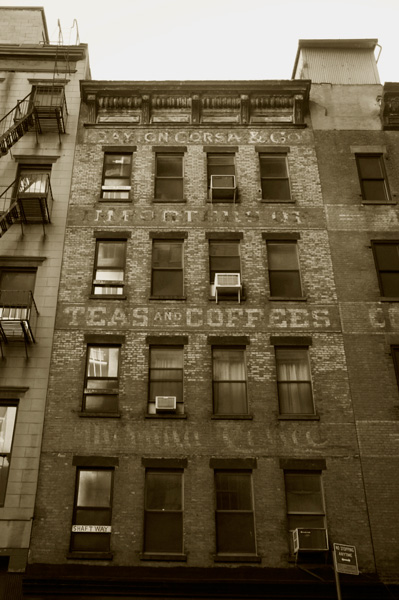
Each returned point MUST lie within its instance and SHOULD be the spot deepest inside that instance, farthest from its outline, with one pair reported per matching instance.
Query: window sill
(171, 200)
(101, 415)
(167, 298)
(232, 299)
(223, 201)
(90, 555)
(164, 556)
(232, 417)
(108, 297)
(166, 416)
(298, 417)
(287, 299)
(115, 200)
(386, 299)
(376, 203)
(269, 201)
(254, 558)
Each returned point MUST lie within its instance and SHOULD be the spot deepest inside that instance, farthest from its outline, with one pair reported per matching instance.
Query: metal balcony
(18, 316)
(44, 110)
(28, 200)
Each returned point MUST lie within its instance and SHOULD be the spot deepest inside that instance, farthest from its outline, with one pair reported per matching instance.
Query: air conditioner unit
(165, 403)
(228, 282)
(310, 540)
(223, 187)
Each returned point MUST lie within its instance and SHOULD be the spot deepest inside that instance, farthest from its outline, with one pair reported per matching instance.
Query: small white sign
(346, 559)
(91, 528)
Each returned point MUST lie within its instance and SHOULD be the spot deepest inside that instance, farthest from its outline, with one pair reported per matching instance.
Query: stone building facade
(36, 157)
(212, 428)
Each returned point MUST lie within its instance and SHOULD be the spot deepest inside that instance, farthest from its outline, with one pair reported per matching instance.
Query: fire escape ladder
(18, 121)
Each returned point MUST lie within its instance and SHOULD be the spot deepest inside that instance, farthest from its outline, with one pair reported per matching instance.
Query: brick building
(214, 420)
(39, 107)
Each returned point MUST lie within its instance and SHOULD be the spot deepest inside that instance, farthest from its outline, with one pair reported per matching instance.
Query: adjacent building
(222, 403)
(39, 107)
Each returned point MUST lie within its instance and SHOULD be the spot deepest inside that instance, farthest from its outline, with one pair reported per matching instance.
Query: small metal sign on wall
(345, 559)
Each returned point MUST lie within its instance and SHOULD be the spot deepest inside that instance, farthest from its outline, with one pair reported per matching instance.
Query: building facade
(214, 420)
(39, 107)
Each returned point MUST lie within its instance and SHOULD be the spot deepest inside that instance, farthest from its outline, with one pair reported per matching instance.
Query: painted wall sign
(186, 136)
(138, 317)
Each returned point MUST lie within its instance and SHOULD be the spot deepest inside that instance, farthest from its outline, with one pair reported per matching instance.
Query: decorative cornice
(42, 52)
(197, 102)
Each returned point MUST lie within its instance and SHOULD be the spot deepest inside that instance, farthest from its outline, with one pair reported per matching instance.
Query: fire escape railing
(18, 316)
(28, 200)
(18, 121)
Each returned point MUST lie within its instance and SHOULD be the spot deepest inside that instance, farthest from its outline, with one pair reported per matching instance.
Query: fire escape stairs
(16, 131)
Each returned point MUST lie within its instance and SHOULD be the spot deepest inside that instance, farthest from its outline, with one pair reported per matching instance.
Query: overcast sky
(215, 39)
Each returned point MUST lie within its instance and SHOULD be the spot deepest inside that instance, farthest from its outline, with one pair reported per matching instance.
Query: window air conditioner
(223, 187)
(164, 403)
(310, 540)
(228, 282)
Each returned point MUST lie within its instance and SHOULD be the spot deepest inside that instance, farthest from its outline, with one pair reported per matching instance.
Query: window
(395, 356)
(221, 176)
(169, 176)
(116, 176)
(102, 379)
(293, 381)
(305, 503)
(372, 176)
(33, 180)
(386, 256)
(224, 257)
(235, 524)
(163, 512)
(91, 528)
(17, 303)
(8, 414)
(109, 268)
(274, 177)
(284, 275)
(229, 381)
(166, 378)
(167, 268)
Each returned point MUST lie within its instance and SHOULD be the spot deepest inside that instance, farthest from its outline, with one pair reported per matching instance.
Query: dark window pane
(164, 491)
(225, 264)
(275, 189)
(295, 398)
(87, 516)
(101, 403)
(117, 165)
(306, 521)
(282, 256)
(111, 254)
(163, 532)
(224, 249)
(304, 493)
(273, 166)
(285, 284)
(4, 470)
(390, 284)
(166, 358)
(167, 254)
(387, 256)
(235, 533)
(370, 167)
(233, 490)
(90, 542)
(228, 364)
(166, 388)
(168, 189)
(17, 280)
(374, 190)
(230, 398)
(167, 283)
(169, 165)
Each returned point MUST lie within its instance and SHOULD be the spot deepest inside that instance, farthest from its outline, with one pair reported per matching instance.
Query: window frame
(279, 348)
(229, 348)
(179, 402)
(159, 179)
(170, 553)
(264, 178)
(112, 284)
(211, 156)
(298, 514)
(5, 456)
(374, 245)
(125, 193)
(297, 271)
(155, 269)
(106, 536)
(221, 242)
(233, 552)
(362, 179)
(112, 393)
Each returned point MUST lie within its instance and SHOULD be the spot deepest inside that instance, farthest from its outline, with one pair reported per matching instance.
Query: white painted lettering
(233, 316)
(276, 317)
(93, 315)
(194, 317)
(215, 317)
(140, 314)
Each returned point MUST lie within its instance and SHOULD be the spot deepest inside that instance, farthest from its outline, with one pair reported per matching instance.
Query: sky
(214, 39)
